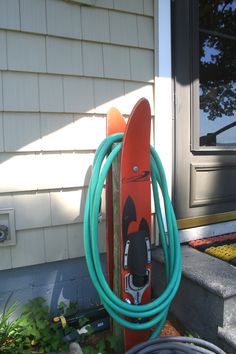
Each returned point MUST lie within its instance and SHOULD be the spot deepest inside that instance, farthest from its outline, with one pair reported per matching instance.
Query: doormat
(222, 247)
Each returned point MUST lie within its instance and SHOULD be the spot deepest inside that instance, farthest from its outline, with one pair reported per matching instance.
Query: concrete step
(206, 299)
(227, 337)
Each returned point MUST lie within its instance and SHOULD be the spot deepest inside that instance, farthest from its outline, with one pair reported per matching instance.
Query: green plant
(108, 344)
(34, 331)
(37, 326)
(12, 338)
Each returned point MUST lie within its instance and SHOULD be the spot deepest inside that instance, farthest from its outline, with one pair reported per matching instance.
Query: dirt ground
(172, 328)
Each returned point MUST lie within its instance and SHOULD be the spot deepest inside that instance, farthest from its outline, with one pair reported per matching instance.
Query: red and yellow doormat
(223, 247)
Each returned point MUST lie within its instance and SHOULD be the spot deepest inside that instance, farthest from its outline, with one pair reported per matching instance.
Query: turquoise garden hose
(156, 311)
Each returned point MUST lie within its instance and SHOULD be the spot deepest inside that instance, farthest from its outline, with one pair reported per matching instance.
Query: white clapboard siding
(116, 62)
(26, 133)
(72, 131)
(133, 92)
(64, 56)
(20, 91)
(148, 7)
(51, 95)
(63, 19)
(5, 258)
(26, 52)
(93, 67)
(78, 94)
(30, 248)
(9, 14)
(75, 240)
(33, 16)
(56, 243)
(135, 6)
(47, 244)
(95, 24)
(63, 65)
(145, 32)
(34, 132)
(144, 59)
(54, 93)
(27, 172)
(123, 29)
(32, 210)
(54, 55)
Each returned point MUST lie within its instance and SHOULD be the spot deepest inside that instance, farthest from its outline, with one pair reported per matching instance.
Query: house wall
(62, 66)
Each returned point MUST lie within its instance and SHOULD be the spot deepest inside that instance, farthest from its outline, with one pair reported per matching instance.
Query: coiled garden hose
(155, 312)
(175, 345)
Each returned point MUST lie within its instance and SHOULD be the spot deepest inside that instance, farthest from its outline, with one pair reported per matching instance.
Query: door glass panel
(217, 73)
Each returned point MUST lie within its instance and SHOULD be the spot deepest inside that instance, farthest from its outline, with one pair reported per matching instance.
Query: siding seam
(44, 246)
(19, 14)
(39, 103)
(63, 93)
(46, 17)
(151, 82)
(7, 48)
(103, 64)
(41, 34)
(138, 32)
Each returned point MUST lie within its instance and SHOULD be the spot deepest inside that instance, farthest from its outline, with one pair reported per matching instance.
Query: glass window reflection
(217, 72)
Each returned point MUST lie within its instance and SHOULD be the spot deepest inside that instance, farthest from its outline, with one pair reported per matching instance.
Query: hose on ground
(176, 345)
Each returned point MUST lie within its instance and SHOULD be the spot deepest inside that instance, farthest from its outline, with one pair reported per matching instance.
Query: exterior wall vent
(7, 227)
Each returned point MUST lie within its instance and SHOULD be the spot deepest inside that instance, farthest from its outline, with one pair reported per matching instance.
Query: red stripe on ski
(135, 213)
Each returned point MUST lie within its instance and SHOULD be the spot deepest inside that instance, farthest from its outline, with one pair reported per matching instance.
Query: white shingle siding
(135, 6)
(124, 29)
(20, 92)
(32, 210)
(26, 52)
(62, 66)
(56, 243)
(30, 248)
(148, 7)
(9, 14)
(26, 133)
(92, 59)
(64, 56)
(55, 130)
(75, 245)
(145, 32)
(51, 95)
(116, 62)
(137, 58)
(33, 16)
(78, 95)
(108, 93)
(43, 171)
(5, 258)
(95, 24)
(63, 19)
(67, 206)
(34, 132)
